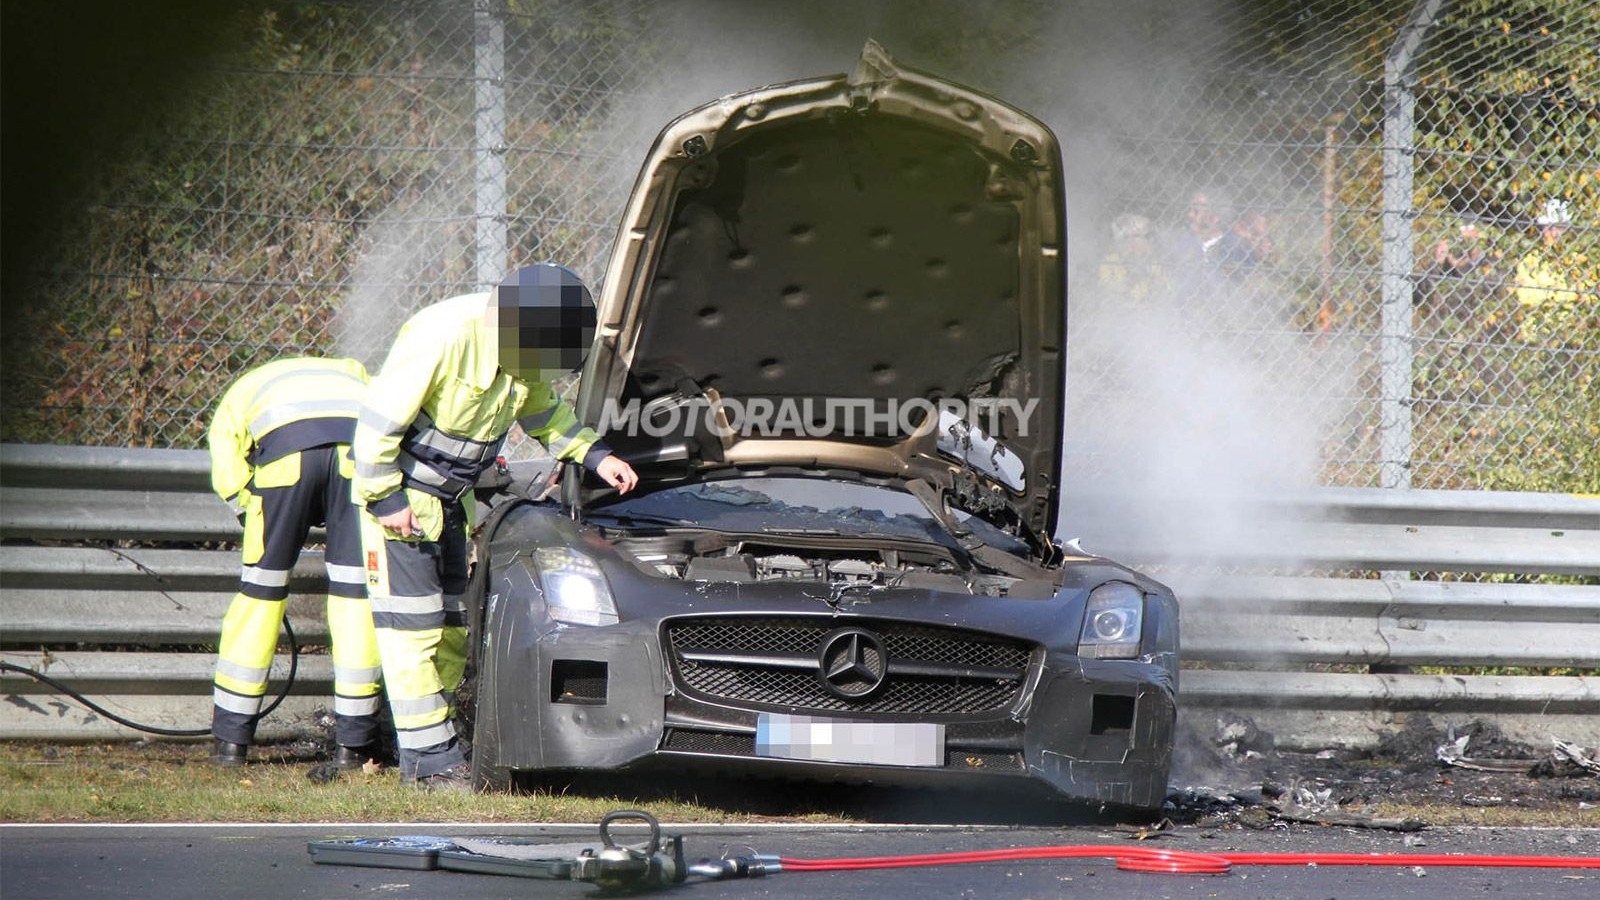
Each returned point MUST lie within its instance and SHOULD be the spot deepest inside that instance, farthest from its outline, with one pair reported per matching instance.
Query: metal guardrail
(1390, 622)
(83, 574)
(1250, 632)
(1354, 528)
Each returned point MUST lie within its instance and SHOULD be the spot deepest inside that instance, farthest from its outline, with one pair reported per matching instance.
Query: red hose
(1419, 859)
(1135, 859)
(1182, 862)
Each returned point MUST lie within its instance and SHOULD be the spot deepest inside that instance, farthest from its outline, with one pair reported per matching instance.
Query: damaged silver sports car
(831, 340)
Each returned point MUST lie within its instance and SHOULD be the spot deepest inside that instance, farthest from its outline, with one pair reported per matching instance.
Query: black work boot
(227, 754)
(455, 780)
(353, 757)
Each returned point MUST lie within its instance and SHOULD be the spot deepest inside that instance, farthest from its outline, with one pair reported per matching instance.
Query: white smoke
(1164, 399)
(409, 258)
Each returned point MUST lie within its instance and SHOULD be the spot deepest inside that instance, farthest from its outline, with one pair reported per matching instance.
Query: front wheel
(487, 774)
(475, 698)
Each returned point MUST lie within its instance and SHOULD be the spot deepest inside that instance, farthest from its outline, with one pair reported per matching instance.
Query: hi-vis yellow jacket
(281, 408)
(436, 414)
(1548, 302)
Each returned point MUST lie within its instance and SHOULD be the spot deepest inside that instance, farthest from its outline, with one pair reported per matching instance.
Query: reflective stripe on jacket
(280, 408)
(436, 414)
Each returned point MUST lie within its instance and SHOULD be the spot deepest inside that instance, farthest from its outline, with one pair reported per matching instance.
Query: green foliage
(1509, 116)
(1507, 102)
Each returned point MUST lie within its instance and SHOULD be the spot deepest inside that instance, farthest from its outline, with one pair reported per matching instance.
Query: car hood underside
(885, 238)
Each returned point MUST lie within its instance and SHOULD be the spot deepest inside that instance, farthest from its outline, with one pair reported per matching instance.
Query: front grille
(983, 760)
(772, 662)
(722, 743)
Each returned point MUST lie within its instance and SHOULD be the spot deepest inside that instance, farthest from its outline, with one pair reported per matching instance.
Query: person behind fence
(1208, 245)
(1462, 255)
(1547, 302)
(1131, 270)
(1250, 244)
(279, 442)
(460, 373)
(1205, 226)
(1458, 276)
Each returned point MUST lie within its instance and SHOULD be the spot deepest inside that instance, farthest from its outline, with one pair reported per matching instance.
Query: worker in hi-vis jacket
(279, 441)
(459, 374)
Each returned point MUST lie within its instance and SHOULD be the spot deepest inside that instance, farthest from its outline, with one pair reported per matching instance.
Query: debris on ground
(1233, 774)
(1566, 760)
(1352, 820)
(1571, 755)
(1253, 809)
(1454, 753)
(1239, 738)
(1144, 832)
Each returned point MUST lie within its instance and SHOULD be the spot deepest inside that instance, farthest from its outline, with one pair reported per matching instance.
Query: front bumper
(620, 697)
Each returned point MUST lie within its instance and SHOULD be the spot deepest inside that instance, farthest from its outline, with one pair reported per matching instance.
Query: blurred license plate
(782, 736)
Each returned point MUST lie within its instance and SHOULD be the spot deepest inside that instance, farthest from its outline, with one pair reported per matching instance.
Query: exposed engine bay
(709, 556)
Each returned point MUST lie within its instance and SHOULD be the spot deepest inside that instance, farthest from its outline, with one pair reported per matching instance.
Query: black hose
(294, 666)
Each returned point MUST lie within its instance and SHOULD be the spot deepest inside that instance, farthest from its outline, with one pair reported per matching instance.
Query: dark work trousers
(286, 498)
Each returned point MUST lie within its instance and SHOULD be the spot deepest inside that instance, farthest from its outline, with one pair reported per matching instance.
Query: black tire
(487, 774)
(475, 699)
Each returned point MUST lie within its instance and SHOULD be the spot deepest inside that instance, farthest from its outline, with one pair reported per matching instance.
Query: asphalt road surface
(208, 862)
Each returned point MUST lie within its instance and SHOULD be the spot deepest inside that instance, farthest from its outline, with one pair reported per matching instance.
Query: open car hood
(807, 273)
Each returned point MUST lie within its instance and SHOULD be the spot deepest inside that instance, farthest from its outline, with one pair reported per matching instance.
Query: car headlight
(1113, 622)
(575, 591)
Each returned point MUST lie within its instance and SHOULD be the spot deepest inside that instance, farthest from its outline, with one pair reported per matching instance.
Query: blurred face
(1252, 225)
(544, 324)
(1138, 245)
(1202, 216)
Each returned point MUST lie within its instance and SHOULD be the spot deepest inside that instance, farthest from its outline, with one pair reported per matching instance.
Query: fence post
(489, 144)
(1397, 343)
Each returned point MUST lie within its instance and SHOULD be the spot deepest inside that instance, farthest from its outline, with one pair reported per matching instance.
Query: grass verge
(173, 782)
(1571, 816)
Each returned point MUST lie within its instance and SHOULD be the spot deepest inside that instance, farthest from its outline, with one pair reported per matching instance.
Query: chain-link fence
(359, 161)
(1380, 237)
(1307, 235)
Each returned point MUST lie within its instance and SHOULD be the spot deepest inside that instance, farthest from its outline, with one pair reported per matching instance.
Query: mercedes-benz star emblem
(852, 663)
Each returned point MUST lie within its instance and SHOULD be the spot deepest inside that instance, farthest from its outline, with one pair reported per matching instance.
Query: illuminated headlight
(575, 591)
(1113, 622)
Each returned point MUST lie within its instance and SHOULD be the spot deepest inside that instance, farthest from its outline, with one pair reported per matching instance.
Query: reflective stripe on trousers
(415, 589)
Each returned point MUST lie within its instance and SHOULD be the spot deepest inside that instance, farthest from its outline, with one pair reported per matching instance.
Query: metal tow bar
(619, 868)
(658, 864)
(613, 867)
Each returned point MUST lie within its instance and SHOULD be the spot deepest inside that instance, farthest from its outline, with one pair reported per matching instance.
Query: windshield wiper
(642, 518)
